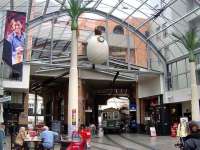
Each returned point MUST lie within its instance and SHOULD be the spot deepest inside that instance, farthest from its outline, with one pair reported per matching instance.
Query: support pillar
(81, 104)
(66, 109)
(73, 88)
(137, 105)
(194, 91)
(35, 108)
(23, 117)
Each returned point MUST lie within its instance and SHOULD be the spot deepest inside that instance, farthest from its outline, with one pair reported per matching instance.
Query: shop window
(118, 30)
(30, 111)
(16, 98)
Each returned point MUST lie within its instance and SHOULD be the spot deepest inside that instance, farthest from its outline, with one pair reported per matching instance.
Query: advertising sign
(14, 42)
(73, 116)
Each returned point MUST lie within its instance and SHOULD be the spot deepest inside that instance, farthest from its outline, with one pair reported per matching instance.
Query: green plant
(190, 41)
(74, 10)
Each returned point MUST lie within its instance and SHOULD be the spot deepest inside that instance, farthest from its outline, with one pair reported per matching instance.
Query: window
(116, 115)
(158, 35)
(181, 67)
(101, 28)
(16, 98)
(165, 33)
(104, 116)
(147, 33)
(118, 30)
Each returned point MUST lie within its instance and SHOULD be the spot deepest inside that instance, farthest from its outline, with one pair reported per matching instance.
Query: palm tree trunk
(195, 98)
(73, 88)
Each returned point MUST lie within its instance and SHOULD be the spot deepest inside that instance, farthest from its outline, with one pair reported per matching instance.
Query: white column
(195, 98)
(73, 88)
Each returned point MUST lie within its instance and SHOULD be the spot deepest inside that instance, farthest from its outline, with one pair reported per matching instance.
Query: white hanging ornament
(97, 49)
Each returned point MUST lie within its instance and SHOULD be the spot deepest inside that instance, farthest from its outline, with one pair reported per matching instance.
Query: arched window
(118, 29)
(101, 28)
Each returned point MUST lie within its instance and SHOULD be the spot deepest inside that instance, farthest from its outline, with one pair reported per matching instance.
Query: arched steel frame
(47, 17)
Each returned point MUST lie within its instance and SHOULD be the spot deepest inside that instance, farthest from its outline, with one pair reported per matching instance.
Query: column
(81, 104)
(23, 117)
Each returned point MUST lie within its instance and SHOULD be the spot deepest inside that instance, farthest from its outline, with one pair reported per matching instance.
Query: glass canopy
(161, 17)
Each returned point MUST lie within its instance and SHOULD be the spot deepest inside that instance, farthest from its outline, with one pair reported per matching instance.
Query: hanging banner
(73, 116)
(14, 43)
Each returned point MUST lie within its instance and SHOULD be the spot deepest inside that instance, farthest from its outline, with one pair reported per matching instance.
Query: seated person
(47, 138)
(19, 141)
(193, 140)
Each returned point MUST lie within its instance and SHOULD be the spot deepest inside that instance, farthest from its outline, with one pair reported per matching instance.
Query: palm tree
(75, 9)
(191, 42)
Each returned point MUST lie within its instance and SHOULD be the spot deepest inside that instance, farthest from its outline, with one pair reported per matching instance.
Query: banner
(14, 43)
(73, 116)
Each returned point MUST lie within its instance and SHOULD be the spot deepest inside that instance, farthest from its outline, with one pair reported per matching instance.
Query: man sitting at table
(47, 138)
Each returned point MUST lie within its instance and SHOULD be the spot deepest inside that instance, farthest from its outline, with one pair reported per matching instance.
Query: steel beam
(177, 20)
(115, 7)
(152, 17)
(52, 32)
(136, 9)
(131, 28)
(197, 51)
(11, 4)
(97, 4)
(45, 8)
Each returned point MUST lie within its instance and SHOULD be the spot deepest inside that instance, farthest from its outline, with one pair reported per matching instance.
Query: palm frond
(190, 41)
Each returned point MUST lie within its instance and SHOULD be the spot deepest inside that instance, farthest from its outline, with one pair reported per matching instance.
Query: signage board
(5, 99)
(73, 116)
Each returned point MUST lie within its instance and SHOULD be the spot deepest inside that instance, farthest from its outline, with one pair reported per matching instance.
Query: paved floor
(128, 142)
(133, 142)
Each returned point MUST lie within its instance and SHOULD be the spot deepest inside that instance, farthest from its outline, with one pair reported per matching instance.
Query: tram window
(110, 115)
(104, 115)
(115, 115)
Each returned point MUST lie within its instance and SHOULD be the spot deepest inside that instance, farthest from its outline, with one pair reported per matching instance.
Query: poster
(73, 116)
(14, 43)
(152, 131)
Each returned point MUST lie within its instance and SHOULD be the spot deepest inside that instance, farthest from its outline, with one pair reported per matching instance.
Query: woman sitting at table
(19, 141)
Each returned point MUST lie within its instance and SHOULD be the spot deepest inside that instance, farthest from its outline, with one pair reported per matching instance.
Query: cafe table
(32, 143)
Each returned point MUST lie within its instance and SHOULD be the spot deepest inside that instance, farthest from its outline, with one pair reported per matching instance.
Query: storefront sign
(73, 116)
(5, 99)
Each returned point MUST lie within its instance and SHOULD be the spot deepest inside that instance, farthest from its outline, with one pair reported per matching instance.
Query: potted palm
(191, 42)
(74, 10)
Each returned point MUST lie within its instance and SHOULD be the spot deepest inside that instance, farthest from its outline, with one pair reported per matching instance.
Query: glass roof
(161, 17)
